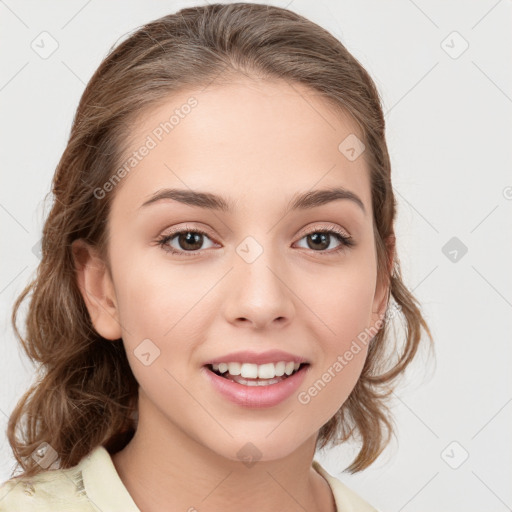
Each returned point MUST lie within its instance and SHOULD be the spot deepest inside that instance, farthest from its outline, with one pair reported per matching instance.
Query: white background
(449, 135)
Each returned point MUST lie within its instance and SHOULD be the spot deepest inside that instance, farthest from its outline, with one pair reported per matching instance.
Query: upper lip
(271, 356)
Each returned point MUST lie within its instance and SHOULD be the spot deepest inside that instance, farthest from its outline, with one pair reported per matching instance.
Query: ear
(97, 289)
(382, 291)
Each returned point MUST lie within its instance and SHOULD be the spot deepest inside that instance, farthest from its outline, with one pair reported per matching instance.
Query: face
(192, 284)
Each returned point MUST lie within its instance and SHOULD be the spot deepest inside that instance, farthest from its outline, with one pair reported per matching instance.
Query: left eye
(320, 238)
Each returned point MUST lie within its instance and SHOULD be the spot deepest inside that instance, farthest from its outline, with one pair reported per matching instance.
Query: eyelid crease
(324, 228)
(303, 232)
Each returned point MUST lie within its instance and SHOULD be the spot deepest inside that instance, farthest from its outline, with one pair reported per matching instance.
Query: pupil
(190, 239)
(319, 237)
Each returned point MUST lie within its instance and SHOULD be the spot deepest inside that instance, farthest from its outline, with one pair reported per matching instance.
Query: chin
(260, 447)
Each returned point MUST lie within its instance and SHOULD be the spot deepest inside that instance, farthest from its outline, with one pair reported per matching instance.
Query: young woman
(218, 265)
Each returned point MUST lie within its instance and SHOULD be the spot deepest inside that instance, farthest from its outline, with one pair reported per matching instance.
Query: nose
(259, 293)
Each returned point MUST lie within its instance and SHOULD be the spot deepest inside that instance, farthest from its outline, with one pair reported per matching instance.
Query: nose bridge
(259, 290)
(258, 260)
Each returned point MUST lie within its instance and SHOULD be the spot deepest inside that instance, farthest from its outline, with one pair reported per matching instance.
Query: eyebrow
(300, 201)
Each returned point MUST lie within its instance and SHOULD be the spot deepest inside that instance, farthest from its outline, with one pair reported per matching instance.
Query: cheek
(350, 316)
(150, 297)
(334, 377)
(347, 349)
(162, 310)
(343, 303)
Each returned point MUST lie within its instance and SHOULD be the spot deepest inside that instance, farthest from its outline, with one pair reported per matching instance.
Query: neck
(163, 468)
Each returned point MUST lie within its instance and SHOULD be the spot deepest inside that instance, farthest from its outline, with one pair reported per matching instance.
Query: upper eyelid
(328, 227)
(303, 232)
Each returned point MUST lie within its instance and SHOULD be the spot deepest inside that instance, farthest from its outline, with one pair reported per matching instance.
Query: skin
(257, 143)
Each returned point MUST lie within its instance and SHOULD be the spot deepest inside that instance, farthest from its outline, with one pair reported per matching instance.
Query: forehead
(247, 140)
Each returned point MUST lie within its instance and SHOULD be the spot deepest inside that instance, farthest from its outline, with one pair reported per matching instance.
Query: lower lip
(257, 396)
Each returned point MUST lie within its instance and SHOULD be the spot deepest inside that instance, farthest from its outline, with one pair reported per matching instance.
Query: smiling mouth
(254, 381)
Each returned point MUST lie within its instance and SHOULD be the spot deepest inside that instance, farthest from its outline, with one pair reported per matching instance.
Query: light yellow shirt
(94, 485)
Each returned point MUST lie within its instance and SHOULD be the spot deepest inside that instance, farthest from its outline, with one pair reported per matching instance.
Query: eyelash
(346, 241)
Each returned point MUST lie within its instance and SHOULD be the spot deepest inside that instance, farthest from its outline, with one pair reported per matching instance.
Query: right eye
(190, 241)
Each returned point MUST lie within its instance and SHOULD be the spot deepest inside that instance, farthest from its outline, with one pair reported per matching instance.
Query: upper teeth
(260, 371)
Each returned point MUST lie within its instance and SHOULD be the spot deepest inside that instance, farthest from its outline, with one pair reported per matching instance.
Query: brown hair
(85, 393)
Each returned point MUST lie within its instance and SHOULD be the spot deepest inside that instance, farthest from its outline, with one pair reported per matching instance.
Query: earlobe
(97, 289)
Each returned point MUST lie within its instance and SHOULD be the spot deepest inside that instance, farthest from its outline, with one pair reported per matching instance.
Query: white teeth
(289, 368)
(234, 368)
(249, 370)
(253, 371)
(268, 382)
(280, 367)
(266, 371)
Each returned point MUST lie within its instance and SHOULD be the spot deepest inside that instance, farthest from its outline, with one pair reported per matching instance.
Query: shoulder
(52, 490)
(346, 499)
